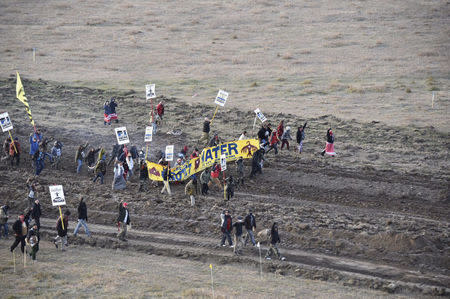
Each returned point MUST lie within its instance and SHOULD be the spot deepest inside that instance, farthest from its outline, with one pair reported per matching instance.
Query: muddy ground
(374, 215)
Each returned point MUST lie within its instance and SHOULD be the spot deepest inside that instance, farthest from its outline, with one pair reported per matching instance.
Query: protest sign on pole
(261, 116)
(220, 100)
(148, 138)
(150, 91)
(6, 124)
(122, 135)
(223, 166)
(169, 153)
(58, 199)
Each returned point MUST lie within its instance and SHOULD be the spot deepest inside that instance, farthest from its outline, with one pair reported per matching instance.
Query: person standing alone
(82, 218)
(122, 221)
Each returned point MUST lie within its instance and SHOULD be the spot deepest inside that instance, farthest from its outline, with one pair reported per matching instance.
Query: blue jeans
(250, 236)
(5, 228)
(99, 175)
(80, 163)
(80, 223)
(226, 235)
(39, 166)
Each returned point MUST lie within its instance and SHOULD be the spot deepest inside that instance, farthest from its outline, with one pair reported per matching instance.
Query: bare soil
(375, 216)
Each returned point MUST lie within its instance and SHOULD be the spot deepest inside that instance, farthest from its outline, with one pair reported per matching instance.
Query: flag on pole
(20, 94)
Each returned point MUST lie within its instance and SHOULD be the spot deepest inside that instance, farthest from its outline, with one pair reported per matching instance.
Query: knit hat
(125, 204)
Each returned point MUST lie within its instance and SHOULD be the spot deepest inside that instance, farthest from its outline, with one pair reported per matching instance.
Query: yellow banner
(233, 150)
(20, 94)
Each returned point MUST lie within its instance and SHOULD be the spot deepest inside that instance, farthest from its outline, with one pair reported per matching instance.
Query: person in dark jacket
(250, 226)
(33, 238)
(36, 213)
(240, 171)
(160, 112)
(238, 239)
(143, 175)
(112, 108)
(226, 227)
(14, 151)
(274, 240)
(257, 159)
(82, 218)
(229, 187)
(62, 231)
(329, 148)
(123, 220)
(90, 157)
(205, 131)
(205, 177)
(166, 173)
(215, 140)
(20, 229)
(301, 137)
(99, 170)
(116, 151)
(106, 113)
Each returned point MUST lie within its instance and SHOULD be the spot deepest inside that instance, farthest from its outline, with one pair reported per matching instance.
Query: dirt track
(377, 212)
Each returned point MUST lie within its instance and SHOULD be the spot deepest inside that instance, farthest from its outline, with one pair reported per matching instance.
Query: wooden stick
(217, 108)
(12, 140)
(60, 214)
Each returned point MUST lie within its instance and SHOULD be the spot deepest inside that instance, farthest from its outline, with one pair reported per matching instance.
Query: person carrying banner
(250, 226)
(62, 231)
(191, 190)
(215, 141)
(20, 229)
(14, 151)
(329, 148)
(33, 238)
(122, 221)
(258, 158)
(34, 146)
(300, 137)
(79, 156)
(274, 239)
(166, 173)
(226, 227)
(205, 131)
(195, 153)
(82, 218)
(112, 110)
(215, 173)
(243, 136)
(238, 239)
(106, 113)
(286, 137)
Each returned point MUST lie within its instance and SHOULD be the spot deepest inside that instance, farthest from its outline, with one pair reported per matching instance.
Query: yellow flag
(210, 266)
(20, 94)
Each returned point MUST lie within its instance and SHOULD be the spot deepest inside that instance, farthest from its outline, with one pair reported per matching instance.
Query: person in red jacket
(280, 128)
(160, 112)
(215, 172)
(274, 141)
(13, 147)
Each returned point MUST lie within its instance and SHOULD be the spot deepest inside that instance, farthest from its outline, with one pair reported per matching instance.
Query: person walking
(205, 177)
(205, 131)
(280, 129)
(300, 137)
(14, 152)
(34, 145)
(143, 176)
(274, 141)
(122, 221)
(118, 182)
(82, 218)
(250, 226)
(99, 170)
(36, 213)
(33, 238)
(166, 173)
(79, 156)
(238, 239)
(257, 160)
(4, 221)
(215, 173)
(274, 240)
(20, 229)
(191, 190)
(6, 145)
(329, 147)
(112, 110)
(286, 137)
(90, 157)
(56, 152)
(159, 112)
(32, 191)
(226, 227)
(62, 231)
(229, 187)
(106, 113)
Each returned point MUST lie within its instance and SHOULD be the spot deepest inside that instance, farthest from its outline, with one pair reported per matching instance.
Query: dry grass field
(368, 60)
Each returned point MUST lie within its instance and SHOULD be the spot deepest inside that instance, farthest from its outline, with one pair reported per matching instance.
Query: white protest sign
(5, 122)
(148, 134)
(169, 153)
(221, 98)
(150, 91)
(223, 162)
(261, 116)
(122, 135)
(57, 195)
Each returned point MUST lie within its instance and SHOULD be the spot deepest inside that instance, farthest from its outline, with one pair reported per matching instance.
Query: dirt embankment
(383, 199)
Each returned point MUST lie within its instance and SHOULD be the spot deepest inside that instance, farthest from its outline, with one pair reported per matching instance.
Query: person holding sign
(14, 152)
(166, 176)
(62, 230)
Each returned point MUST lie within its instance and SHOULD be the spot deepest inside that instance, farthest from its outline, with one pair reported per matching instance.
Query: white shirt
(126, 217)
(243, 137)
